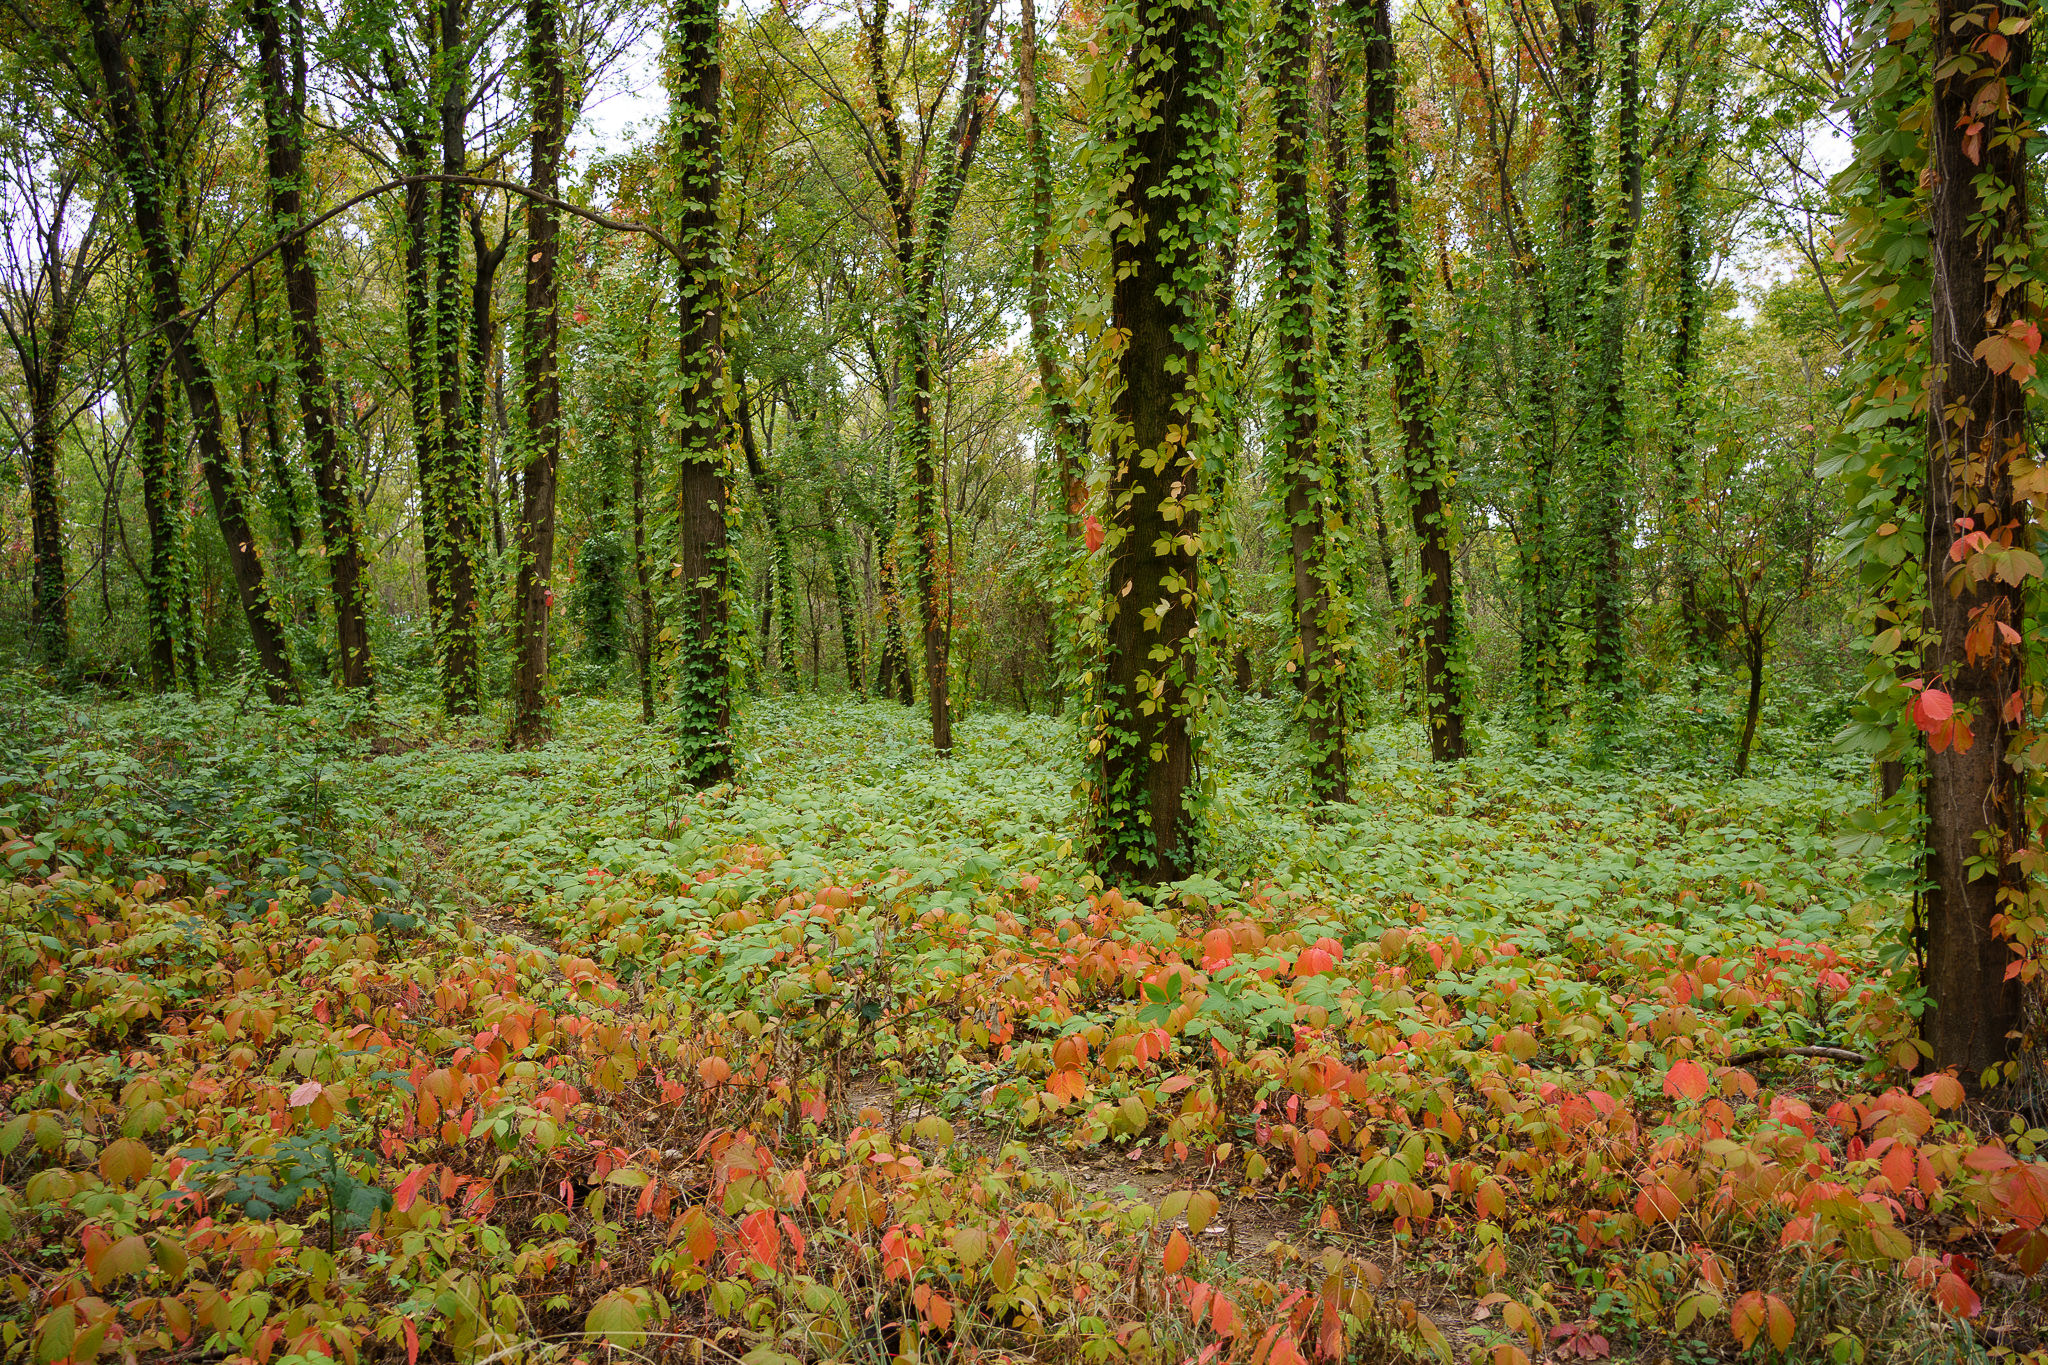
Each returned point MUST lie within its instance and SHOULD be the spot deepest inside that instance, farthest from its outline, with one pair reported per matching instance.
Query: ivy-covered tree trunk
(704, 688)
(162, 509)
(333, 471)
(843, 599)
(1171, 118)
(1608, 501)
(534, 595)
(1977, 530)
(41, 339)
(162, 263)
(416, 210)
(1425, 465)
(1307, 477)
(1690, 306)
(462, 680)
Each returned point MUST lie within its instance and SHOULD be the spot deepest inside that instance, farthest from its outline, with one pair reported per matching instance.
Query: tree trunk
(1607, 668)
(1753, 655)
(1306, 476)
(162, 263)
(1977, 435)
(643, 577)
(333, 472)
(547, 82)
(704, 691)
(462, 682)
(1425, 464)
(163, 504)
(42, 369)
(843, 599)
(1174, 125)
(1066, 427)
(483, 348)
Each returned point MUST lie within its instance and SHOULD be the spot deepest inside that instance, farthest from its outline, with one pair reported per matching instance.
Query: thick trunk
(483, 346)
(1976, 435)
(1160, 266)
(1306, 477)
(704, 690)
(1607, 668)
(1425, 463)
(161, 263)
(333, 471)
(534, 596)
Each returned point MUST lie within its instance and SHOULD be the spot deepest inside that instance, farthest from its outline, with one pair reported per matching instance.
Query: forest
(881, 681)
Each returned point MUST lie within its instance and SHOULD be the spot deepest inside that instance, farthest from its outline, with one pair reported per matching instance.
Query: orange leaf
(1177, 1252)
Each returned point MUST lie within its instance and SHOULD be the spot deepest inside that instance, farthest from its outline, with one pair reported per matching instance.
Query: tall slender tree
(1310, 502)
(281, 69)
(142, 170)
(547, 83)
(697, 416)
(1425, 463)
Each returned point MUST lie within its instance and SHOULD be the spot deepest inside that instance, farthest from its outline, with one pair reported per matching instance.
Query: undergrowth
(395, 1046)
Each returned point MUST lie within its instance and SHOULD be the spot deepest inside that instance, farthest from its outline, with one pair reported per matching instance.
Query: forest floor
(387, 1044)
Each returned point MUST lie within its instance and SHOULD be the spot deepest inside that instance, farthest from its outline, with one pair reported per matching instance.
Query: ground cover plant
(325, 1045)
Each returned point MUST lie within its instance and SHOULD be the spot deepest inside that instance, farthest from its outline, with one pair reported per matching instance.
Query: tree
(284, 111)
(49, 262)
(1169, 125)
(534, 598)
(1425, 464)
(129, 130)
(697, 414)
(1977, 563)
(1312, 505)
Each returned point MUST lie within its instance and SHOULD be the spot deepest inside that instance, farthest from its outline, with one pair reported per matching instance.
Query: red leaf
(1092, 532)
(1685, 1079)
(1932, 707)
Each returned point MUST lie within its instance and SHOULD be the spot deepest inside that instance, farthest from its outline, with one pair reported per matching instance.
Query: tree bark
(1307, 478)
(1425, 464)
(462, 683)
(1977, 434)
(1607, 668)
(1173, 125)
(704, 691)
(162, 263)
(547, 81)
(333, 471)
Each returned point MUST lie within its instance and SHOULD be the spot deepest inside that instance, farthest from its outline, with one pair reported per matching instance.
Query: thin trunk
(1425, 463)
(643, 578)
(162, 263)
(1306, 475)
(462, 506)
(1977, 438)
(333, 471)
(1752, 655)
(704, 691)
(483, 349)
(1174, 127)
(843, 599)
(163, 505)
(1066, 426)
(534, 597)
